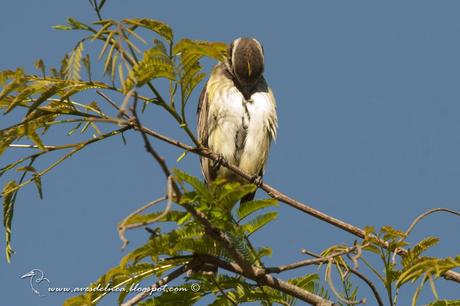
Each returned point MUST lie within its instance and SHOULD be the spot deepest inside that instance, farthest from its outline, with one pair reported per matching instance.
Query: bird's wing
(202, 113)
(273, 118)
(203, 130)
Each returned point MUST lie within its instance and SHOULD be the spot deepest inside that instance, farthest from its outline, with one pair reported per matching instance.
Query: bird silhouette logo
(36, 277)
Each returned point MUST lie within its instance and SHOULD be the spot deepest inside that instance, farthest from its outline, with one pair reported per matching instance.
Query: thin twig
(210, 229)
(106, 98)
(76, 148)
(125, 102)
(334, 290)
(427, 213)
(370, 284)
(170, 277)
(309, 262)
(123, 227)
(248, 270)
(274, 193)
(148, 146)
(267, 188)
(96, 8)
(414, 223)
(355, 272)
(223, 292)
(273, 282)
(25, 146)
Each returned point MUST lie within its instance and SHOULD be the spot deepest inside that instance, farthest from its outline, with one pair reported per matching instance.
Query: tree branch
(427, 213)
(120, 111)
(369, 283)
(274, 193)
(318, 260)
(123, 227)
(268, 280)
(243, 265)
(170, 277)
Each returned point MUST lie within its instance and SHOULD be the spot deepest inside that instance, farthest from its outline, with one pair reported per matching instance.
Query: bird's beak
(28, 274)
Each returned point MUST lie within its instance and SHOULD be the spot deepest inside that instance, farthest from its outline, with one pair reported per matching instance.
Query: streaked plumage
(237, 112)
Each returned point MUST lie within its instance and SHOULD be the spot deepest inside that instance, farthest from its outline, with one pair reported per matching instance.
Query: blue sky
(368, 103)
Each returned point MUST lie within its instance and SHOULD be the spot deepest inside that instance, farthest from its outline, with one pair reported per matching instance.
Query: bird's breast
(242, 133)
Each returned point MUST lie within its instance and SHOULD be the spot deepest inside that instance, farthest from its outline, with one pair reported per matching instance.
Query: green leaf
(72, 71)
(115, 278)
(6, 75)
(182, 298)
(36, 178)
(77, 25)
(36, 139)
(171, 243)
(184, 219)
(154, 64)
(190, 52)
(373, 248)
(193, 181)
(427, 266)
(228, 193)
(250, 207)
(78, 300)
(390, 233)
(87, 64)
(27, 128)
(40, 65)
(62, 27)
(264, 251)
(171, 216)
(413, 254)
(369, 230)
(101, 4)
(18, 84)
(306, 282)
(38, 183)
(241, 292)
(188, 47)
(445, 303)
(259, 222)
(8, 193)
(158, 27)
(182, 156)
(48, 93)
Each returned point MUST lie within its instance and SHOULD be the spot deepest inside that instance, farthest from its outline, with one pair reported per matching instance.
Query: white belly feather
(255, 119)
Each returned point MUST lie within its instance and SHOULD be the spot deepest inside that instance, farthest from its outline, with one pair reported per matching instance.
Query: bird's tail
(248, 197)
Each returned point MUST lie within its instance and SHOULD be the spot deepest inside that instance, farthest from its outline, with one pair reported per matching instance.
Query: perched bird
(237, 113)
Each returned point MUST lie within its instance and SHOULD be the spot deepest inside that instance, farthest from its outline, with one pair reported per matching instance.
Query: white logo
(36, 276)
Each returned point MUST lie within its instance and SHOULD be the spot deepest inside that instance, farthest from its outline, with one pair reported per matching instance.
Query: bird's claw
(218, 162)
(257, 180)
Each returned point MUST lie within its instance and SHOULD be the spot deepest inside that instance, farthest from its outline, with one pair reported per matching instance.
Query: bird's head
(245, 60)
(32, 273)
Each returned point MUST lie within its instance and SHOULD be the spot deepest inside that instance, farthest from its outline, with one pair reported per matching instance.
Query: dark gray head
(246, 63)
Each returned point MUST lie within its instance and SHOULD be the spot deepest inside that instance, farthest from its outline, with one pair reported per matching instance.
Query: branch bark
(274, 193)
(318, 260)
(244, 266)
(268, 280)
(170, 277)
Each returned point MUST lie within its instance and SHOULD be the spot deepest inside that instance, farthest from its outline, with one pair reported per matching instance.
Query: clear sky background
(369, 131)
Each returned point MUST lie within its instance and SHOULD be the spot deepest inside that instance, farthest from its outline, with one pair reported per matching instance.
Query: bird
(36, 276)
(237, 116)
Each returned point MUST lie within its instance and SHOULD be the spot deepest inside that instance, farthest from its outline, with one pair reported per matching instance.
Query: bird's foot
(218, 162)
(256, 180)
